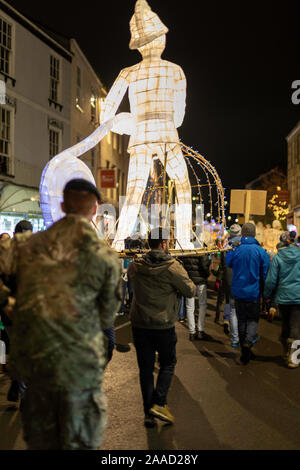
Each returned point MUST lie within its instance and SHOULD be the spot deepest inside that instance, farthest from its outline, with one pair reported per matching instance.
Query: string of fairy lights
(208, 168)
(206, 179)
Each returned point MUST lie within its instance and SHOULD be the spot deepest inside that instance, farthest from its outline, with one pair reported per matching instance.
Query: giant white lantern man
(157, 95)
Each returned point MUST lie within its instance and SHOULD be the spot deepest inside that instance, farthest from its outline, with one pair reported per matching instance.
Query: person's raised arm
(179, 97)
(123, 121)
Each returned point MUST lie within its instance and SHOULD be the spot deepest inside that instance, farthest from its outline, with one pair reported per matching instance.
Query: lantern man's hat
(145, 25)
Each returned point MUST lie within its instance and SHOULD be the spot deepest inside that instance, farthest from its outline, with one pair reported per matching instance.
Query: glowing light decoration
(63, 168)
(157, 95)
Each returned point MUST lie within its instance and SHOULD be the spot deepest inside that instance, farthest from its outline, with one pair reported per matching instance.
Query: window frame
(55, 79)
(10, 141)
(11, 73)
(79, 81)
(6, 47)
(53, 129)
(93, 107)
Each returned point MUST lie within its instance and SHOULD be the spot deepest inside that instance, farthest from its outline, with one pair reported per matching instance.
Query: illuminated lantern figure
(157, 95)
(272, 236)
(260, 233)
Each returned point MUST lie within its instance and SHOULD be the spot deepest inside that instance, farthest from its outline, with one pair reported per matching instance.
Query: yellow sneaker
(163, 413)
(271, 315)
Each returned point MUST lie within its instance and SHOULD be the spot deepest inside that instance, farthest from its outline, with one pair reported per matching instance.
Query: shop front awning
(19, 199)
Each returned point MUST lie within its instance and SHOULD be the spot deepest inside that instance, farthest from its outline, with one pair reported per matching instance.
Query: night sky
(240, 59)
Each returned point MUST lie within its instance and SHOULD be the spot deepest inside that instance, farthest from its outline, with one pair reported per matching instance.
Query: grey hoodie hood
(234, 241)
(154, 262)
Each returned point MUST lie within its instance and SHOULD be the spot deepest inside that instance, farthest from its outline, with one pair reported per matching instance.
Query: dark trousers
(147, 342)
(248, 317)
(290, 321)
(110, 336)
(222, 295)
(16, 387)
(220, 300)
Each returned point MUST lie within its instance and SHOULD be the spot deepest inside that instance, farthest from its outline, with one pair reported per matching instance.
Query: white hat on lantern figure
(145, 26)
(157, 95)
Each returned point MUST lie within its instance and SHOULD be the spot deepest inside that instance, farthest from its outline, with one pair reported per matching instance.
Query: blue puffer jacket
(250, 264)
(284, 276)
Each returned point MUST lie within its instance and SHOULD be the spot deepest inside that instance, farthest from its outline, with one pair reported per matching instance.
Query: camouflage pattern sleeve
(8, 257)
(110, 296)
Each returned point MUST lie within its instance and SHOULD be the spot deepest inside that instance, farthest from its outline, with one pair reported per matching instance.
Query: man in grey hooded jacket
(159, 281)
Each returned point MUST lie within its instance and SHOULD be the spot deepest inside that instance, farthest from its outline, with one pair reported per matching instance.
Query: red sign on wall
(283, 196)
(107, 178)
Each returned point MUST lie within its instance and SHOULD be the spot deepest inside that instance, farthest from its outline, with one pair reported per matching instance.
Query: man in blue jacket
(250, 264)
(283, 282)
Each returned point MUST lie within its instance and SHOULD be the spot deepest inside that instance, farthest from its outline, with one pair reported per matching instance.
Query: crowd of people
(247, 277)
(59, 293)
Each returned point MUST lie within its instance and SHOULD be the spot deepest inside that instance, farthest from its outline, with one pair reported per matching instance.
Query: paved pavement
(218, 403)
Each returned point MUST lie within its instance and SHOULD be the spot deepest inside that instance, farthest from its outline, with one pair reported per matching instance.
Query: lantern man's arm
(123, 122)
(179, 97)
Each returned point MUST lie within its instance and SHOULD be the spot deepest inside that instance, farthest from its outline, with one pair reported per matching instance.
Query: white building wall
(32, 112)
(82, 124)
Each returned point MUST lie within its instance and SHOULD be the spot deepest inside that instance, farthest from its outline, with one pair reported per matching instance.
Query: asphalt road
(218, 403)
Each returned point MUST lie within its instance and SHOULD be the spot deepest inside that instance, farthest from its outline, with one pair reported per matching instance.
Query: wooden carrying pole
(165, 179)
(247, 206)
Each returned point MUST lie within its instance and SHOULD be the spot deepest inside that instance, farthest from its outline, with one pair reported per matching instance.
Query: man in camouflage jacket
(67, 292)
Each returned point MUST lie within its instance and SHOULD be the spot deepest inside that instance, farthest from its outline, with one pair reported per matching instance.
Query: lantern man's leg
(138, 175)
(177, 171)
